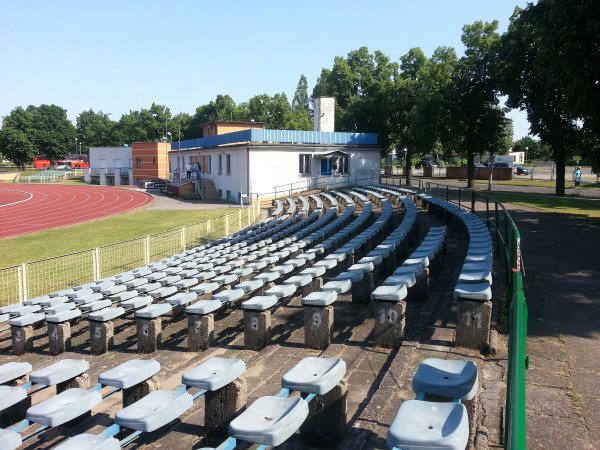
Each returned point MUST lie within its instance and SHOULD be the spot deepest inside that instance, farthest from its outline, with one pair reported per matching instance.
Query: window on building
(138, 162)
(220, 164)
(153, 160)
(228, 164)
(304, 163)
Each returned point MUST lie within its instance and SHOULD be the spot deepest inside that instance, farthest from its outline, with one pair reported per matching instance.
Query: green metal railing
(508, 248)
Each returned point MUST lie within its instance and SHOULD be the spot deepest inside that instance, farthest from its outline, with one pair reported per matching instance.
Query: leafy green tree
(96, 129)
(535, 149)
(477, 124)
(16, 146)
(52, 133)
(529, 82)
(301, 101)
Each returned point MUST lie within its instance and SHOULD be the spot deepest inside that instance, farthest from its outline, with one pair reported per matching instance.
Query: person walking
(577, 173)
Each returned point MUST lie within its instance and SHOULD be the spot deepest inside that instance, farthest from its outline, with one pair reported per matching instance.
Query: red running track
(27, 208)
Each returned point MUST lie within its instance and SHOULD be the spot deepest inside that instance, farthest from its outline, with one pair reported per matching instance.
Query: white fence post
(147, 250)
(97, 264)
(183, 240)
(24, 288)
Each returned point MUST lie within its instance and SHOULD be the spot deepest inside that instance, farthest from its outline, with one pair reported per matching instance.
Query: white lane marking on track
(20, 201)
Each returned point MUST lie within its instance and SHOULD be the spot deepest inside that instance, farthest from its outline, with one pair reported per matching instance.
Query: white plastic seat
(452, 378)
(129, 373)
(13, 370)
(64, 407)
(394, 293)
(320, 298)
(10, 395)
(155, 410)
(315, 375)
(59, 371)
(269, 420)
(10, 440)
(421, 425)
(260, 302)
(214, 373)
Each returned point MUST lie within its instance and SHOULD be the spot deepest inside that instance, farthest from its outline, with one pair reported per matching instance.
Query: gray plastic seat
(281, 290)
(225, 279)
(250, 285)
(148, 287)
(204, 288)
(214, 373)
(136, 282)
(10, 440)
(155, 410)
(339, 286)
(63, 407)
(64, 316)
(355, 276)
(13, 370)
(153, 311)
(314, 271)
(229, 295)
(106, 314)
(89, 298)
(59, 371)
(395, 293)
(129, 373)
(114, 289)
(182, 298)
(10, 395)
(260, 302)
(204, 307)
(408, 279)
(95, 306)
(138, 302)
(473, 291)
(299, 280)
(163, 292)
(90, 442)
(125, 295)
(52, 301)
(269, 420)
(420, 425)
(452, 378)
(24, 310)
(321, 298)
(315, 375)
(267, 277)
(416, 269)
(26, 320)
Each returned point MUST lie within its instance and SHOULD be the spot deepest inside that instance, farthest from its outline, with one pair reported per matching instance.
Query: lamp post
(526, 148)
(75, 145)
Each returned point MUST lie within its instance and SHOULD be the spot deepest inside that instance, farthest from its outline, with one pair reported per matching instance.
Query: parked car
(474, 165)
(502, 165)
(426, 163)
(522, 170)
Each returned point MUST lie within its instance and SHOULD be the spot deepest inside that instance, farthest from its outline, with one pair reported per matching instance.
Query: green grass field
(73, 238)
(586, 208)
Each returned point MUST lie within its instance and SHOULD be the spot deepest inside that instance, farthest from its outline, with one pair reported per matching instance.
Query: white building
(110, 165)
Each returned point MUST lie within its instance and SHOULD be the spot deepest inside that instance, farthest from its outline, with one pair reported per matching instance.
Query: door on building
(326, 166)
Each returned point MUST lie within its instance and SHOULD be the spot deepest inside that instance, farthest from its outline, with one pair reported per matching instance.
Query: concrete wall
(150, 161)
(324, 119)
(109, 157)
(481, 173)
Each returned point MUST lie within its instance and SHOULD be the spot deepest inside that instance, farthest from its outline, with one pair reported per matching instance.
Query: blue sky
(121, 55)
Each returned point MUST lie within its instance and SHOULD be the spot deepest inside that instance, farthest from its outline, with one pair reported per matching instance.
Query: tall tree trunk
(408, 166)
(560, 160)
(470, 158)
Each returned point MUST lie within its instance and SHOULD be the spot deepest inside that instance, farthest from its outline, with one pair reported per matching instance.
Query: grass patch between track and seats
(78, 237)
